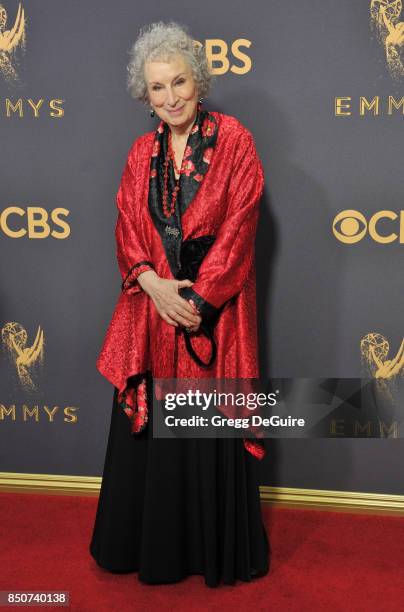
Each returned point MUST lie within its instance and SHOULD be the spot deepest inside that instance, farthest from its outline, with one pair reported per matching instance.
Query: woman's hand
(194, 328)
(169, 304)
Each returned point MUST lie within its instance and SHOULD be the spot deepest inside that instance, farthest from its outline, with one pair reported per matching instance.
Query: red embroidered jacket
(226, 205)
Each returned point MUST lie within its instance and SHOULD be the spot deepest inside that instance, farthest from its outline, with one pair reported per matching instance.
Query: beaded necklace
(169, 210)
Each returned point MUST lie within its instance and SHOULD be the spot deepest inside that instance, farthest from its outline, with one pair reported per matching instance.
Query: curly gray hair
(161, 40)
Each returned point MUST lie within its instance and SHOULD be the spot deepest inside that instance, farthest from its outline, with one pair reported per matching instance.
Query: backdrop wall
(322, 92)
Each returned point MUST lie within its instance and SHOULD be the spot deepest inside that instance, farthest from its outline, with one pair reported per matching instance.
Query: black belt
(192, 253)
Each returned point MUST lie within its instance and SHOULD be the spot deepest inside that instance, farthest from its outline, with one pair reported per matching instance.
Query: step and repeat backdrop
(320, 84)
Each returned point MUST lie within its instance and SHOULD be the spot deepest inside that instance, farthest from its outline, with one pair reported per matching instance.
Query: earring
(152, 113)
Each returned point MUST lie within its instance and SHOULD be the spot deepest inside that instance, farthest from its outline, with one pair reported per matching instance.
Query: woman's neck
(180, 133)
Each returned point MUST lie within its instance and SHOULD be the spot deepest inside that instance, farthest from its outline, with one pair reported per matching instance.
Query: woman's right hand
(173, 308)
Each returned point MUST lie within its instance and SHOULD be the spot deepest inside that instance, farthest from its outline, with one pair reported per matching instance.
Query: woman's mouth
(177, 111)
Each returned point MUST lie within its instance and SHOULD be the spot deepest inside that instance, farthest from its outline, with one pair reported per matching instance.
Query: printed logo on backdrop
(386, 366)
(220, 56)
(387, 21)
(12, 40)
(34, 222)
(13, 28)
(26, 356)
(383, 227)
(375, 349)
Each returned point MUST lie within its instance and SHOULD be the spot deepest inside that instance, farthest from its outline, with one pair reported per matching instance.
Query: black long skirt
(169, 508)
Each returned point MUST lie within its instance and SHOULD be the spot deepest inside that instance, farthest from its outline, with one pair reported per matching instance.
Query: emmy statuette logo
(375, 349)
(24, 356)
(10, 40)
(385, 20)
(28, 359)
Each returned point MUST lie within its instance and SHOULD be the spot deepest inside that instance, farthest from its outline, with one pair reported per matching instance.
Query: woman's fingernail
(191, 301)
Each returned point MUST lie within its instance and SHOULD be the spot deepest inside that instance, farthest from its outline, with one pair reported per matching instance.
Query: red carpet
(320, 561)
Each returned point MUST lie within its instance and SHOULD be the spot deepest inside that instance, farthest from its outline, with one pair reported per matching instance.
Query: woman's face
(171, 87)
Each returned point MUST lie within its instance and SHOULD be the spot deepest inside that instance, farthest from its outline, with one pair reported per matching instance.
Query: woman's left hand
(193, 328)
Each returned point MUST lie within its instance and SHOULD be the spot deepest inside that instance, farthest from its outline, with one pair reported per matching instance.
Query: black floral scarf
(197, 155)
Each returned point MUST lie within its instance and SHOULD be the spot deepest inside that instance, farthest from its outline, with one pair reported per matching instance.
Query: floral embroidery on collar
(198, 154)
(196, 165)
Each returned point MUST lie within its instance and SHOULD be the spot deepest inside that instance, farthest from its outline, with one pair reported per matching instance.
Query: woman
(188, 197)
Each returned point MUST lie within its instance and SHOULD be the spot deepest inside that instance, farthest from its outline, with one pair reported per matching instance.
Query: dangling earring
(152, 113)
(200, 103)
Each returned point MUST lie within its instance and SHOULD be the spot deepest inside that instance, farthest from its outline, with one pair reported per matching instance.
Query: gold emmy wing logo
(374, 350)
(10, 41)
(25, 358)
(385, 20)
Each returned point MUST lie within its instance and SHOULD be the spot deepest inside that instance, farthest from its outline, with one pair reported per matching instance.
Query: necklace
(169, 210)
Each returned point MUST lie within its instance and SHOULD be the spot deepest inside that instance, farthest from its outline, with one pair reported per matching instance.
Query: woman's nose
(171, 99)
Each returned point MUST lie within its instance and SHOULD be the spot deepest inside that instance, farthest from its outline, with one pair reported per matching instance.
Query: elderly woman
(187, 214)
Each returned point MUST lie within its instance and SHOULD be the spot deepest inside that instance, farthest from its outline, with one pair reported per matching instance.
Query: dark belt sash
(192, 253)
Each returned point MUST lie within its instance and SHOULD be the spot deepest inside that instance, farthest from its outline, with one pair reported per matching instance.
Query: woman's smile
(176, 111)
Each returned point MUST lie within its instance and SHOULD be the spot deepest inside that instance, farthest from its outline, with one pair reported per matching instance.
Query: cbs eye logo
(351, 226)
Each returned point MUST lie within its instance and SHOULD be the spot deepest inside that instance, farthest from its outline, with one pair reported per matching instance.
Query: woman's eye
(157, 87)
